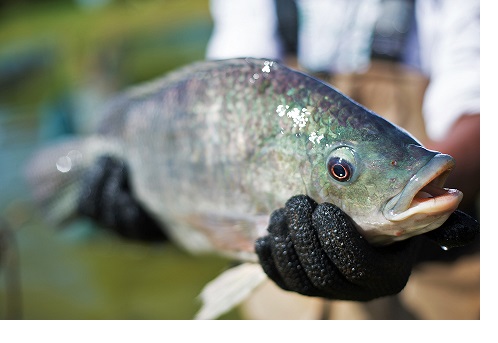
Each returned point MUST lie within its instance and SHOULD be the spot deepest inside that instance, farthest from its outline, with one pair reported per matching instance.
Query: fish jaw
(422, 205)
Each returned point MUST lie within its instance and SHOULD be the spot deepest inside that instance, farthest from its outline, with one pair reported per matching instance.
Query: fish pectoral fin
(229, 289)
(229, 235)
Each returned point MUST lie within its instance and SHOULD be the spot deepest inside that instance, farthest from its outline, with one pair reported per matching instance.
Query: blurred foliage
(128, 40)
(58, 59)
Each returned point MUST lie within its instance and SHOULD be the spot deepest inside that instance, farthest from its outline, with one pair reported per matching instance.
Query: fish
(214, 147)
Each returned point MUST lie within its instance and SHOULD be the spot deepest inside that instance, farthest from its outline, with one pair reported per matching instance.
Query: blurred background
(59, 60)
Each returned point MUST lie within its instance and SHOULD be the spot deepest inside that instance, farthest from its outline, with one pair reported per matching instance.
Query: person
(417, 63)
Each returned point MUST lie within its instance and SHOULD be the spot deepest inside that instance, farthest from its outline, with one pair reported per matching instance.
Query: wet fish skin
(217, 146)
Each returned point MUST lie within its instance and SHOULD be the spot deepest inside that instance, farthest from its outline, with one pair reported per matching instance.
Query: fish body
(215, 147)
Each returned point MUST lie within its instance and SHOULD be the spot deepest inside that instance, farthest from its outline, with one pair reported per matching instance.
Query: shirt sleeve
(449, 38)
(244, 29)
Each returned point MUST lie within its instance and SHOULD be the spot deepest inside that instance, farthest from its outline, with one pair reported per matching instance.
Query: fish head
(382, 177)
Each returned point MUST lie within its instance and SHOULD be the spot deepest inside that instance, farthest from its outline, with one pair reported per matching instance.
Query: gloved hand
(315, 250)
(106, 198)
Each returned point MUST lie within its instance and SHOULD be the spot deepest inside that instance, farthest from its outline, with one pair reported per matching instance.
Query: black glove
(315, 250)
(106, 198)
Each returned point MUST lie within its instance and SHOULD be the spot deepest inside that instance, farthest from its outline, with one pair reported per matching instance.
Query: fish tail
(54, 175)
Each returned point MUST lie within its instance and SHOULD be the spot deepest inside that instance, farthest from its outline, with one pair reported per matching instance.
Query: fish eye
(341, 164)
(340, 169)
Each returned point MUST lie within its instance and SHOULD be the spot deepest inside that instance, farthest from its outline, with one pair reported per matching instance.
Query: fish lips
(424, 199)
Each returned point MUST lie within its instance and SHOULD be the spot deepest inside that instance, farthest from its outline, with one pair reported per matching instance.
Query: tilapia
(215, 147)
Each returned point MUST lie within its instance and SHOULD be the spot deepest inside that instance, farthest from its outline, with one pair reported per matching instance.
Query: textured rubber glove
(315, 250)
(106, 198)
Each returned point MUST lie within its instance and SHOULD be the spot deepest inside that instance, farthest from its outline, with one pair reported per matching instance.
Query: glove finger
(317, 265)
(263, 250)
(89, 202)
(111, 191)
(357, 260)
(458, 230)
(285, 260)
(340, 240)
(277, 218)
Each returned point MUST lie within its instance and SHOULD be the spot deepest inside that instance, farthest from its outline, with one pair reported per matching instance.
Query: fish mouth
(424, 193)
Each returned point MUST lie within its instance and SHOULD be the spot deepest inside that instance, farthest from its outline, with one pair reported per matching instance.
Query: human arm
(448, 32)
(463, 143)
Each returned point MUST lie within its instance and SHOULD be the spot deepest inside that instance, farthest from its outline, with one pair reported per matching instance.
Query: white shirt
(336, 36)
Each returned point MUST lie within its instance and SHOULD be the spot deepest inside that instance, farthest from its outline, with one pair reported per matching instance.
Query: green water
(57, 62)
